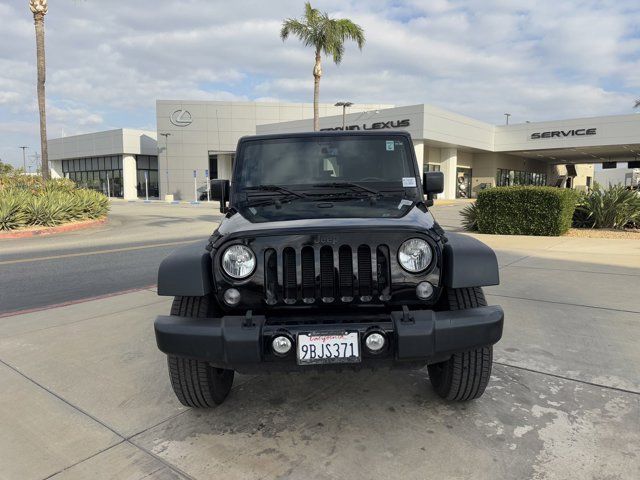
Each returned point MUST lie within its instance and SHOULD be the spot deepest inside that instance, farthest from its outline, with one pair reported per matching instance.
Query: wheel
(465, 375)
(196, 383)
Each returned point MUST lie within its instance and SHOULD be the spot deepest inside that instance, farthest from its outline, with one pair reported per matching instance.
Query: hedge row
(28, 201)
(525, 210)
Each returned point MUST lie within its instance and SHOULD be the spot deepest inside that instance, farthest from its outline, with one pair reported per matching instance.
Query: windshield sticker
(408, 182)
(404, 203)
(390, 145)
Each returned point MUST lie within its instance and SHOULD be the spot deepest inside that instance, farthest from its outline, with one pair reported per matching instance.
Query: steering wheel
(371, 179)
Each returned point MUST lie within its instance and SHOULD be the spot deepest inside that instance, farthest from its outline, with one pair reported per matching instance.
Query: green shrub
(525, 210)
(28, 201)
(615, 207)
(470, 217)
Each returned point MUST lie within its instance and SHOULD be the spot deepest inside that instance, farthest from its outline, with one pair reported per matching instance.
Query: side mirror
(432, 183)
(220, 191)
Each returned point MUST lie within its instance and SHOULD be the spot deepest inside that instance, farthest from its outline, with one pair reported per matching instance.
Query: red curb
(74, 302)
(69, 227)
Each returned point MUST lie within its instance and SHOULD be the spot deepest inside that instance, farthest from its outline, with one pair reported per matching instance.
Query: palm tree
(39, 9)
(637, 104)
(326, 35)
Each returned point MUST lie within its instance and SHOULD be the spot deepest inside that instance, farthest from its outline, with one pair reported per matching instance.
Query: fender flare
(468, 262)
(186, 272)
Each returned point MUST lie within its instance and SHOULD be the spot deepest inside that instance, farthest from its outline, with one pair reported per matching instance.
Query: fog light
(231, 296)
(374, 342)
(424, 290)
(281, 345)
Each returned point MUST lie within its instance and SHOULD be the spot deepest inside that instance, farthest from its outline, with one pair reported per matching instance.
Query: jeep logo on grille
(332, 239)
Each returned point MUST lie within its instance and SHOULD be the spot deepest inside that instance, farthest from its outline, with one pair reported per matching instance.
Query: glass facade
(507, 178)
(103, 174)
(147, 175)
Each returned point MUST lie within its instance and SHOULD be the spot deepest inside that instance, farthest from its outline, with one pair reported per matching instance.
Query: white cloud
(109, 61)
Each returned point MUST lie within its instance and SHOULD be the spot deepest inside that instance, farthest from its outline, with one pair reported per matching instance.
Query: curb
(69, 227)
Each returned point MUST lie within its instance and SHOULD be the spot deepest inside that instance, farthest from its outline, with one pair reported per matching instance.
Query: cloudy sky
(109, 60)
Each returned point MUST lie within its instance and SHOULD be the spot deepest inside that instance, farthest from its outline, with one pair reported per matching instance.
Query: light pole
(166, 156)
(24, 159)
(36, 161)
(506, 116)
(344, 106)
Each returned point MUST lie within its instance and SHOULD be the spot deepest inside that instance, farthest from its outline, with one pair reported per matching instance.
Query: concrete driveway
(85, 392)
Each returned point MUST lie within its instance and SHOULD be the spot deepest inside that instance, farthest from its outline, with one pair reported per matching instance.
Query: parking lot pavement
(85, 392)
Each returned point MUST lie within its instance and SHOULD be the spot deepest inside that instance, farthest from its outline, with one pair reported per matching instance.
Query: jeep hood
(417, 219)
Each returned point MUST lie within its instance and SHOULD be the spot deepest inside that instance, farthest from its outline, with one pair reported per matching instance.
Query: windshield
(330, 177)
(308, 161)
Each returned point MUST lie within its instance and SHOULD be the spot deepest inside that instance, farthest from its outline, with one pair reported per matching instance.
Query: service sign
(576, 132)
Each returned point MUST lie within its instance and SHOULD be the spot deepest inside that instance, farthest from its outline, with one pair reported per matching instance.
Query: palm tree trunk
(317, 73)
(39, 23)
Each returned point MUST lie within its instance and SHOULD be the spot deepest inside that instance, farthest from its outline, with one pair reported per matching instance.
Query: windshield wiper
(354, 187)
(276, 188)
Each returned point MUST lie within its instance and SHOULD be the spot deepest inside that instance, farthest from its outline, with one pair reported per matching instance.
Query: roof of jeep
(326, 133)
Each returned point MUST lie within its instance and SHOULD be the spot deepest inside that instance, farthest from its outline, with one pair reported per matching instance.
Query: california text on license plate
(341, 347)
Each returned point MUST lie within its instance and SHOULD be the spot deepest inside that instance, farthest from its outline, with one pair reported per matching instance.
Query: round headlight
(415, 255)
(238, 261)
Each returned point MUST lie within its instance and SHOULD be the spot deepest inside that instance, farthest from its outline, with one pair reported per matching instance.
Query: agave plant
(469, 216)
(615, 207)
(26, 200)
(36, 211)
(11, 214)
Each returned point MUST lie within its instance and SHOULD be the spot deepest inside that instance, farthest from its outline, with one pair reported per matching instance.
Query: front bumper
(242, 343)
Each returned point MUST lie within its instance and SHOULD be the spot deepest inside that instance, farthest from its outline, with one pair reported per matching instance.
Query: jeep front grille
(327, 274)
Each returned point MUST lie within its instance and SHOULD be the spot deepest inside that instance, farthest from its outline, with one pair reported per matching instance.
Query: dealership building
(196, 141)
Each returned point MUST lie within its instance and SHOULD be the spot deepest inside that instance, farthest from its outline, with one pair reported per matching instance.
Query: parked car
(328, 258)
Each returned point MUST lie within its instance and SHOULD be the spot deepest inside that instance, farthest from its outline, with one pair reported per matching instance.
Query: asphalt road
(122, 255)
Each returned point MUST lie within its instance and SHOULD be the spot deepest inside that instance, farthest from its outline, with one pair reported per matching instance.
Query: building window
(103, 174)
(507, 178)
(147, 175)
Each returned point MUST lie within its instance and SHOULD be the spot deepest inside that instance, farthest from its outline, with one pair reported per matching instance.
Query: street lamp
(344, 106)
(506, 116)
(24, 159)
(166, 156)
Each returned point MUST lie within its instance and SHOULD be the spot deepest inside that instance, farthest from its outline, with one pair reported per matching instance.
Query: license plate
(342, 347)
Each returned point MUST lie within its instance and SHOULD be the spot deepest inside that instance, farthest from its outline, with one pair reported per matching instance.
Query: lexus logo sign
(181, 118)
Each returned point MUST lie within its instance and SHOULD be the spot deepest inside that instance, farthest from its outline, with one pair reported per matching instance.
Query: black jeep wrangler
(328, 258)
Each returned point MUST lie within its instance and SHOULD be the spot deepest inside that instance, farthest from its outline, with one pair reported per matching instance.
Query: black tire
(465, 375)
(196, 383)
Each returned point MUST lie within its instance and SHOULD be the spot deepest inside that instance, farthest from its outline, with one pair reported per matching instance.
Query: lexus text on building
(391, 124)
